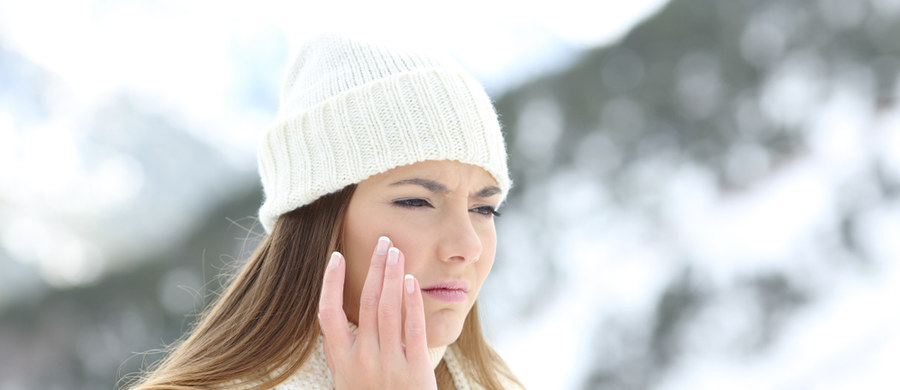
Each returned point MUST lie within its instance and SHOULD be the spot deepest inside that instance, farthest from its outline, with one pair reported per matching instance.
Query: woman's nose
(459, 241)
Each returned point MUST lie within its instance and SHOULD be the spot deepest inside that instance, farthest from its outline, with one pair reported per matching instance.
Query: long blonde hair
(264, 326)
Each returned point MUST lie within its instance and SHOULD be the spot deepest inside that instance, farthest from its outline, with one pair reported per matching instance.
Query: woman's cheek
(411, 242)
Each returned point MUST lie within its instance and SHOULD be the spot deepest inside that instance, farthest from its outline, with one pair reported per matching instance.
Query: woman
(382, 176)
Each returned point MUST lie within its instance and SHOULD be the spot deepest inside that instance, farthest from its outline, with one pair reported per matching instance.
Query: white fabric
(315, 375)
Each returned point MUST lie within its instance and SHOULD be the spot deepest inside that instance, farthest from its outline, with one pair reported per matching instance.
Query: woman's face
(440, 215)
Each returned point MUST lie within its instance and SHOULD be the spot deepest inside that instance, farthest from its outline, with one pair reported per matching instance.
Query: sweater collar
(435, 353)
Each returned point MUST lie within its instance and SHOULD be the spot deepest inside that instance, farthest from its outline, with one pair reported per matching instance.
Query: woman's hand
(375, 358)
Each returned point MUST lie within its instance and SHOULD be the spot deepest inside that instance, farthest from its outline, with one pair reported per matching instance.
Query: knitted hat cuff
(418, 115)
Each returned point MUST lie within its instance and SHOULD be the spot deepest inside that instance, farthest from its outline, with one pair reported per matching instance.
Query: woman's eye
(412, 203)
(487, 210)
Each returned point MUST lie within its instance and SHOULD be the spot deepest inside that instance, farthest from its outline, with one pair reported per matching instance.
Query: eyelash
(416, 202)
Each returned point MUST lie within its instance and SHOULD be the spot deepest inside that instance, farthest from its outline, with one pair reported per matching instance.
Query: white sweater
(315, 375)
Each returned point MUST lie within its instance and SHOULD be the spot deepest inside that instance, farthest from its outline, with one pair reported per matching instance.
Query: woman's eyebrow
(434, 186)
(429, 185)
(487, 192)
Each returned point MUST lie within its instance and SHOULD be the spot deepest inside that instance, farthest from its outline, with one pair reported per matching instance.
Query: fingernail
(335, 260)
(382, 247)
(393, 256)
(410, 282)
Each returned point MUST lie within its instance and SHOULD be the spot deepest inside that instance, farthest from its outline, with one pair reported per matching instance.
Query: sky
(180, 51)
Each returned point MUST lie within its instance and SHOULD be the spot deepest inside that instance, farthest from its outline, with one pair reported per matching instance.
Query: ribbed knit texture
(351, 109)
(315, 375)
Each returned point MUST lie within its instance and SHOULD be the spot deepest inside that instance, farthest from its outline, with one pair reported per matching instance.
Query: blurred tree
(729, 89)
(80, 337)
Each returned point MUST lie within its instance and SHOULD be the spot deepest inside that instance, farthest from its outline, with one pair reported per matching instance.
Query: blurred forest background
(711, 201)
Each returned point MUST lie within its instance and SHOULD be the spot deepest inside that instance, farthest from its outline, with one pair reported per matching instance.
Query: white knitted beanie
(351, 109)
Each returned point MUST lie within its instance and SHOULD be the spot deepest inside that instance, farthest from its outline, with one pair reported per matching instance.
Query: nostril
(461, 259)
(465, 259)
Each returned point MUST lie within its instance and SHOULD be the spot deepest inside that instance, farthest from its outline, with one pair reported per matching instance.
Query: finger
(326, 347)
(332, 318)
(390, 309)
(371, 292)
(416, 340)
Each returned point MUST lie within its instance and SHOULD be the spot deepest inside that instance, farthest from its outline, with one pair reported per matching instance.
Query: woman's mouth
(448, 291)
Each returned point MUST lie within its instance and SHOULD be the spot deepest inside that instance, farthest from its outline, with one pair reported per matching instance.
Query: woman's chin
(443, 328)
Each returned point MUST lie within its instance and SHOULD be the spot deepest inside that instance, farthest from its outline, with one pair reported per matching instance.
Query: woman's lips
(448, 291)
